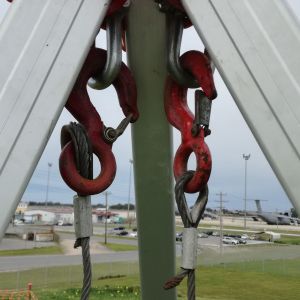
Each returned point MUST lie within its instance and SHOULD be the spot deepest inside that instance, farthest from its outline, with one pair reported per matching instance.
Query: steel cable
(84, 162)
(190, 219)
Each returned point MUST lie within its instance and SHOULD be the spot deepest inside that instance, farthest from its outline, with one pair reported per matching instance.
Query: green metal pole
(152, 140)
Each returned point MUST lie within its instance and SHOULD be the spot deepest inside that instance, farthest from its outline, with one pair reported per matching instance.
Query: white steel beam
(43, 45)
(255, 45)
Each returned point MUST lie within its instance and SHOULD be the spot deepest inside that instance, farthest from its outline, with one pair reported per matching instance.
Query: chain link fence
(65, 277)
(284, 260)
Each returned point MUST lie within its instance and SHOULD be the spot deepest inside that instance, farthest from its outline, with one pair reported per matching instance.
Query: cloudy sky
(230, 138)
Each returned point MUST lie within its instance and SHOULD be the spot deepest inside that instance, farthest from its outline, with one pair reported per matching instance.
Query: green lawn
(105, 292)
(120, 247)
(290, 240)
(268, 280)
(33, 251)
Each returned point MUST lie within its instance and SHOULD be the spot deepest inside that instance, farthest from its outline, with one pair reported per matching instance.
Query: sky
(230, 139)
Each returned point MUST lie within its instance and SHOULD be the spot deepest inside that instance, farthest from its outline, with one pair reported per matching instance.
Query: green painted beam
(152, 144)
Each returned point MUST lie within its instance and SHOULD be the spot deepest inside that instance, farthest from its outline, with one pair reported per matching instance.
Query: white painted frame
(43, 45)
(255, 45)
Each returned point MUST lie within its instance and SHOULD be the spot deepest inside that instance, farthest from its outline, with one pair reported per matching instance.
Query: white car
(230, 240)
(18, 222)
(245, 236)
(133, 234)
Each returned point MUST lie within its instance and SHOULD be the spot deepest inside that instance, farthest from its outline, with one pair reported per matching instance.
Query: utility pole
(246, 158)
(48, 180)
(129, 191)
(221, 201)
(106, 211)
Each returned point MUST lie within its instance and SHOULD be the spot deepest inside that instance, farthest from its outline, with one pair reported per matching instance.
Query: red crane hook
(80, 106)
(180, 116)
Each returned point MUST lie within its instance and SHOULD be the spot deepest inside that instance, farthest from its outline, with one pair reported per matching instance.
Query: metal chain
(84, 162)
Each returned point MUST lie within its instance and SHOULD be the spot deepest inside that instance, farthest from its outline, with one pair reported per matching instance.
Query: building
(39, 216)
(268, 236)
(100, 216)
(22, 207)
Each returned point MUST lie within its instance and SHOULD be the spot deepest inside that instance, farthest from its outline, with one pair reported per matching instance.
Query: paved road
(123, 241)
(15, 244)
(17, 263)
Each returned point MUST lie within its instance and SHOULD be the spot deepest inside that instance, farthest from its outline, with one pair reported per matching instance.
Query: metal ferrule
(83, 216)
(189, 248)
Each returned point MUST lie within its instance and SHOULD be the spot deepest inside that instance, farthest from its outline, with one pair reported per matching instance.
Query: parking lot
(214, 241)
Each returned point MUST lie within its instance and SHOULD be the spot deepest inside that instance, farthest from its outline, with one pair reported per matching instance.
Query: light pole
(246, 158)
(129, 190)
(106, 211)
(221, 201)
(48, 179)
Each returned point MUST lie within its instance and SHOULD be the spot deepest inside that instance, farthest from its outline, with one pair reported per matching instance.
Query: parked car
(241, 241)
(178, 237)
(18, 222)
(245, 236)
(230, 240)
(119, 228)
(209, 232)
(202, 235)
(133, 234)
(123, 233)
(215, 233)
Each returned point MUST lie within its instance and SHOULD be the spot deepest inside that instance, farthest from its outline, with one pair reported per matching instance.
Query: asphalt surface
(18, 263)
(16, 244)
(208, 247)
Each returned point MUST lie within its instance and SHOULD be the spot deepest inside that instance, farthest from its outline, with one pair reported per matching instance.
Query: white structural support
(43, 45)
(255, 46)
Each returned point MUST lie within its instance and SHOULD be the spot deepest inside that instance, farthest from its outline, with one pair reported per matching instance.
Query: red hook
(80, 106)
(180, 116)
(114, 6)
(177, 4)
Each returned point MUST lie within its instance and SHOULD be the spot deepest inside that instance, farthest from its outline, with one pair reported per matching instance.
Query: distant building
(63, 215)
(39, 216)
(22, 207)
(100, 216)
(268, 236)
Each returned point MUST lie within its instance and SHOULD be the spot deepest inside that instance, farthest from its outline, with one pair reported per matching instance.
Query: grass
(105, 292)
(120, 247)
(70, 276)
(33, 251)
(268, 280)
(290, 240)
(249, 283)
